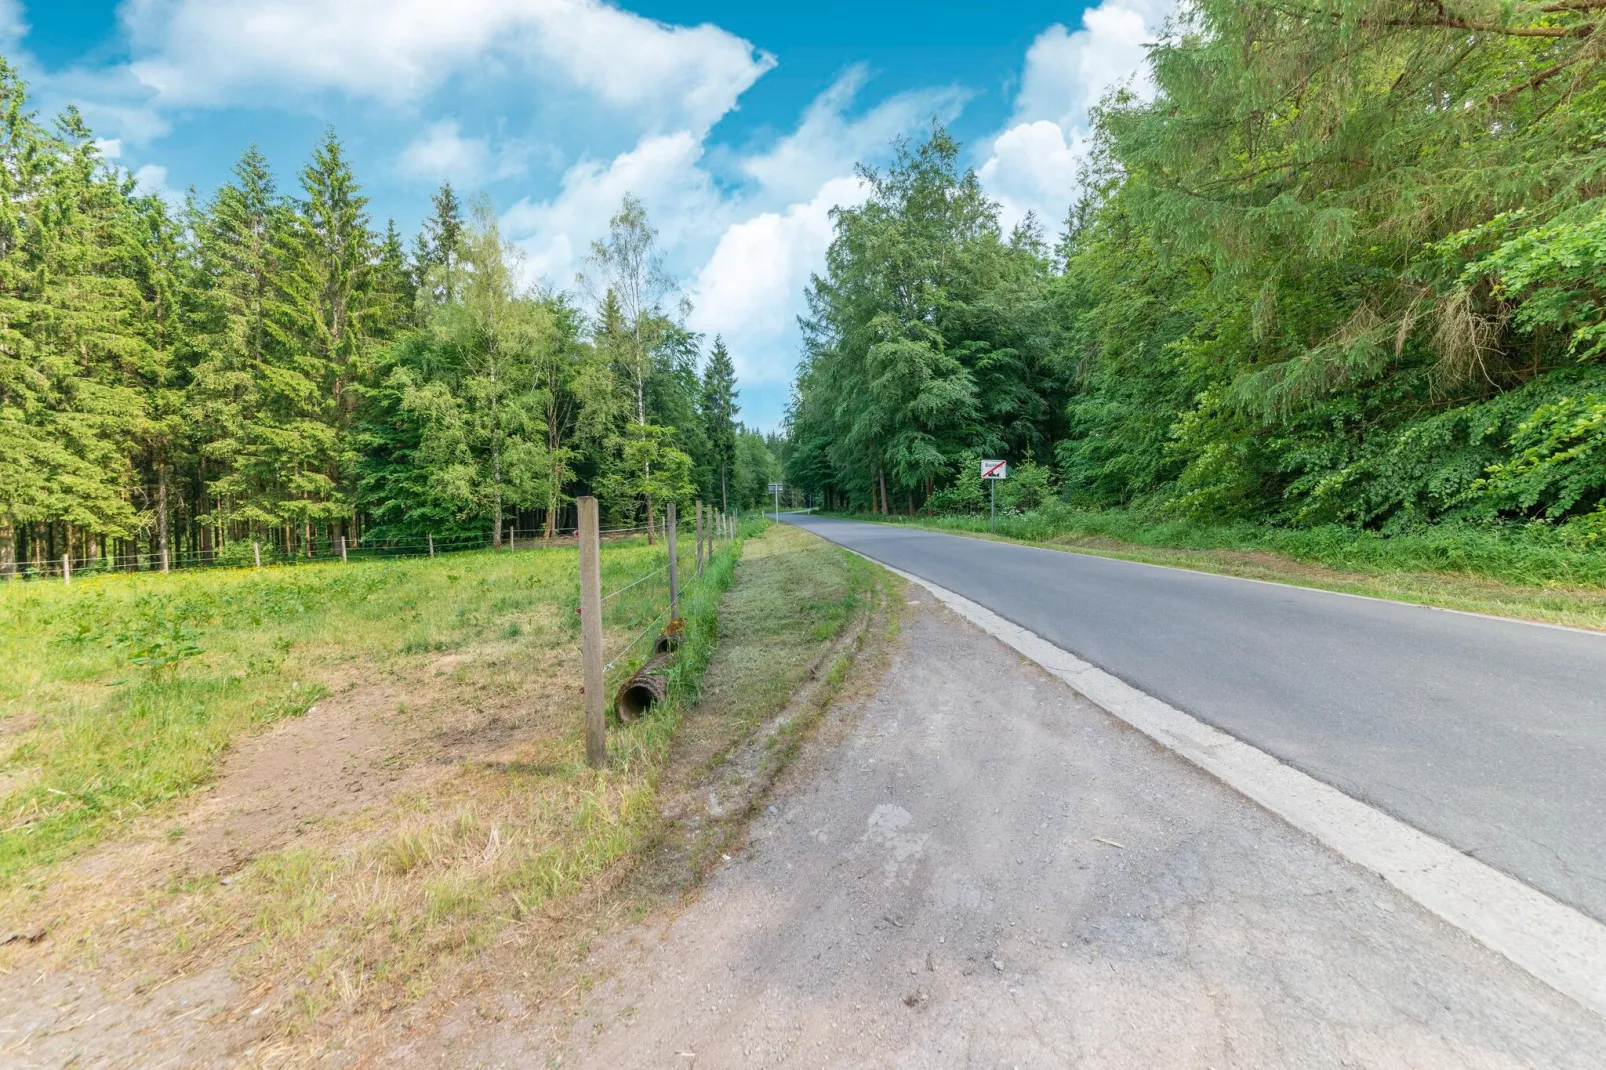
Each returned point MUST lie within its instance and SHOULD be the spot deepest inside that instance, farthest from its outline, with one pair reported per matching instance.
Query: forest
(1342, 269)
(265, 371)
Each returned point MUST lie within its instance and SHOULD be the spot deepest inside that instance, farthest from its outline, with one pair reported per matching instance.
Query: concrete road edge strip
(1555, 943)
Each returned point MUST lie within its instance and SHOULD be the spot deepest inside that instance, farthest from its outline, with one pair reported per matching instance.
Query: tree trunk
(161, 515)
(496, 480)
(724, 494)
(646, 472)
(8, 551)
(886, 509)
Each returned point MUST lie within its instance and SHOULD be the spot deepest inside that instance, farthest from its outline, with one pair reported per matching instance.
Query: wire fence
(241, 554)
(686, 558)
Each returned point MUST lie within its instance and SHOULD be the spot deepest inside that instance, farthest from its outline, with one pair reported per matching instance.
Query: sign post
(993, 471)
(775, 489)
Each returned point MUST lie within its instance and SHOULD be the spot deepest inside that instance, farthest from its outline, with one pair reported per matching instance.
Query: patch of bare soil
(96, 977)
(335, 759)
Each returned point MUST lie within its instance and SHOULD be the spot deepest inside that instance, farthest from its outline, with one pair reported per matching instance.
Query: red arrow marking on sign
(993, 469)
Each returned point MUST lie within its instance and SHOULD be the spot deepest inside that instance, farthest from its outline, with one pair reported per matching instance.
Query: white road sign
(994, 470)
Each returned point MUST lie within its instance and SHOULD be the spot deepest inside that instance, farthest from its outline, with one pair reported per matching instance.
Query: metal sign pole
(992, 472)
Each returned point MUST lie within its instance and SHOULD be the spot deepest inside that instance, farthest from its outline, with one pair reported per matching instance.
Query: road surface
(1489, 734)
(977, 868)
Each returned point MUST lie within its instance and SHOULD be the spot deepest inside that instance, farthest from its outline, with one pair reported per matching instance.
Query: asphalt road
(1489, 734)
(979, 869)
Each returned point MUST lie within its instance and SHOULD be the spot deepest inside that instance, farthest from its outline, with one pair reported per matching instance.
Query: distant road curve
(1489, 734)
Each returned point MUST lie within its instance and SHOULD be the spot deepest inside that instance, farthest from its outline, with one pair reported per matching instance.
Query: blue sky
(737, 124)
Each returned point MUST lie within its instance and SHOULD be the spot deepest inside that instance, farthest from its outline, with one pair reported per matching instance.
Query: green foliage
(927, 337)
(270, 371)
(1029, 486)
(1340, 272)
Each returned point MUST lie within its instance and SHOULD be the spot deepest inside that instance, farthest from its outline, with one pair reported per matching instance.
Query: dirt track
(984, 870)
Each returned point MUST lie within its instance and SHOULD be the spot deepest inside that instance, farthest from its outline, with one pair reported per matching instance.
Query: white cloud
(13, 24)
(751, 290)
(747, 251)
(152, 179)
(661, 170)
(442, 152)
(219, 52)
(1033, 166)
(827, 143)
(1033, 162)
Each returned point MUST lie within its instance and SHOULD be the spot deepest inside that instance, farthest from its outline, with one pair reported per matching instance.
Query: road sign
(776, 488)
(994, 470)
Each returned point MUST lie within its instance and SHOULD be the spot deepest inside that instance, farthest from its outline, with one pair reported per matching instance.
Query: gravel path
(985, 870)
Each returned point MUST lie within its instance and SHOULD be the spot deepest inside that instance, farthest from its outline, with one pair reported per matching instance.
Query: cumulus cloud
(152, 179)
(13, 24)
(1033, 162)
(442, 152)
(828, 142)
(751, 290)
(747, 248)
(1033, 167)
(219, 52)
(661, 170)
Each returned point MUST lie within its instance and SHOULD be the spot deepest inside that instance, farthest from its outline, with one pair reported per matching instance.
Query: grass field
(118, 694)
(132, 708)
(1508, 572)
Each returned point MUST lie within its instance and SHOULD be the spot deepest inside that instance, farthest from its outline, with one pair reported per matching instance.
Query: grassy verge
(1458, 567)
(521, 850)
(788, 633)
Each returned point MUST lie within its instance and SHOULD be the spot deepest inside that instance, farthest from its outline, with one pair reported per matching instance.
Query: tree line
(1342, 267)
(264, 367)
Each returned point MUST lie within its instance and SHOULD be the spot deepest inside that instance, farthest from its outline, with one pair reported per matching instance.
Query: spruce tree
(323, 314)
(236, 265)
(719, 411)
(440, 246)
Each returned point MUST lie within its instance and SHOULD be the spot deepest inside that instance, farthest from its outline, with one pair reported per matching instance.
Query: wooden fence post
(512, 537)
(591, 633)
(699, 538)
(674, 563)
(66, 568)
(256, 553)
(431, 539)
(342, 549)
